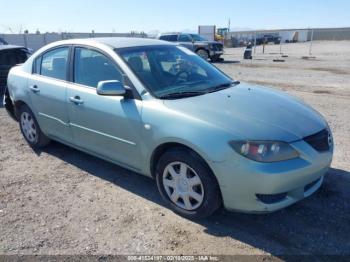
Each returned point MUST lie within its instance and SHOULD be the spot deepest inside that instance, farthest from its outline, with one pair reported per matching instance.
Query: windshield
(198, 38)
(171, 69)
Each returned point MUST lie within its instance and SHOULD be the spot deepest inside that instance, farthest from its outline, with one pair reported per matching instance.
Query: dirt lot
(62, 201)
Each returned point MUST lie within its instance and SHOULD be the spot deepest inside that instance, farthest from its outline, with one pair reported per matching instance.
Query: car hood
(253, 112)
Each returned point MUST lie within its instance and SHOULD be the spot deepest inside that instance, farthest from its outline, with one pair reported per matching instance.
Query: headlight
(264, 151)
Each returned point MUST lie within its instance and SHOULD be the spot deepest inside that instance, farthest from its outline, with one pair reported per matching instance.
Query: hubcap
(203, 54)
(183, 186)
(28, 127)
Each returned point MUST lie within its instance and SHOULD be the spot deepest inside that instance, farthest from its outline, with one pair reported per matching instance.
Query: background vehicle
(3, 42)
(201, 46)
(265, 39)
(221, 33)
(10, 55)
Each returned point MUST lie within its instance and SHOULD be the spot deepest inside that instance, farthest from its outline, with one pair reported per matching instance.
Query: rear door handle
(34, 88)
(76, 100)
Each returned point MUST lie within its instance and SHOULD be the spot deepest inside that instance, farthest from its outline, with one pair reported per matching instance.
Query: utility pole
(311, 40)
(281, 47)
(254, 42)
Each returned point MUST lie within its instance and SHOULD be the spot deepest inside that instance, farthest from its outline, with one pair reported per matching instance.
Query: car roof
(170, 34)
(165, 34)
(6, 47)
(115, 42)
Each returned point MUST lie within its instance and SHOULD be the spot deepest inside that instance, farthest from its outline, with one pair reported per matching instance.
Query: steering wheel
(181, 76)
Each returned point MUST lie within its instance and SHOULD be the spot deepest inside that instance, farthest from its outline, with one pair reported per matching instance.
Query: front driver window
(91, 67)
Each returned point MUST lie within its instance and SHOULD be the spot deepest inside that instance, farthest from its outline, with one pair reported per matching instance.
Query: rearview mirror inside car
(110, 88)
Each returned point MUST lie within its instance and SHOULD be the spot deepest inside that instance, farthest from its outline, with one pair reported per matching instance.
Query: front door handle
(34, 88)
(76, 100)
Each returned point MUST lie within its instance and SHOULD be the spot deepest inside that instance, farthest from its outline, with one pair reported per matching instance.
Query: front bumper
(242, 180)
(216, 53)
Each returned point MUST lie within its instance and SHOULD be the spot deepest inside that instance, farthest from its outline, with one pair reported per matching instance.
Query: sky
(165, 16)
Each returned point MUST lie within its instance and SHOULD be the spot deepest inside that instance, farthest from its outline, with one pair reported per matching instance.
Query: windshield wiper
(198, 93)
(182, 94)
(223, 86)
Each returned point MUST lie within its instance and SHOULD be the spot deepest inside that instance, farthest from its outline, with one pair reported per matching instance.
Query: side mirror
(110, 88)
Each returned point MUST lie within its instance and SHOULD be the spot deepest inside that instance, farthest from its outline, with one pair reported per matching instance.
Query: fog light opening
(271, 198)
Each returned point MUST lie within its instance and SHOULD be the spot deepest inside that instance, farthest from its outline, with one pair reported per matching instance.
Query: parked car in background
(266, 39)
(3, 42)
(160, 110)
(10, 55)
(206, 49)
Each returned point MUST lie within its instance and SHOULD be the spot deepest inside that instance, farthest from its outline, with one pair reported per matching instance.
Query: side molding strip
(104, 134)
(54, 118)
(88, 129)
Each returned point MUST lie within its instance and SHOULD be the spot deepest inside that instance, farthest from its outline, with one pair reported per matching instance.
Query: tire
(205, 190)
(203, 54)
(215, 58)
(30, 128)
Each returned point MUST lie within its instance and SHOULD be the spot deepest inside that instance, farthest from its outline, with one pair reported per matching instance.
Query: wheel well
(12, 107)
(160, 150)
(202, 48)
(17, 106)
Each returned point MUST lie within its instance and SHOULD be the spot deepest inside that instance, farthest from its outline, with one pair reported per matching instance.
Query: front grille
(3, 81)
(319, 141)
(309, 186)
(3, 76)
(217, 47)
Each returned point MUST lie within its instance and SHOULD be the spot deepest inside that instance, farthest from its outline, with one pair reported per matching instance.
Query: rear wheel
(30, 128)
(187, 184)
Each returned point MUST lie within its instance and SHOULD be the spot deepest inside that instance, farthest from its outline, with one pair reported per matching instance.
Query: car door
(47, 87)
(186, 41)
(108, 126)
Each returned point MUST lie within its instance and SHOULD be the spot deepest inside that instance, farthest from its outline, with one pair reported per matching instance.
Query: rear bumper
(247, 185)
(7, 103)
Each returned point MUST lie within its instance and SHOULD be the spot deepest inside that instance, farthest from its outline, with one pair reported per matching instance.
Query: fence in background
(36, 41)
(330, 34)
(287, 35)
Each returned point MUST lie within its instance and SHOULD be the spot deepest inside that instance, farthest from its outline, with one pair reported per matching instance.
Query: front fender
(163, 125)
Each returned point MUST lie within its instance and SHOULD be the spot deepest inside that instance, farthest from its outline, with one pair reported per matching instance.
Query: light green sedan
(162, 111)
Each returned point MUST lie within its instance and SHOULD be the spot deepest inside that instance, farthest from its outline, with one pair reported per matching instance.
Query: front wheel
(30, 128)
(216, 58)
(187, 184)
(203, 54)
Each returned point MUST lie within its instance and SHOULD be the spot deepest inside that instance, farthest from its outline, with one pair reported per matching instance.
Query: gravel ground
(62, 201)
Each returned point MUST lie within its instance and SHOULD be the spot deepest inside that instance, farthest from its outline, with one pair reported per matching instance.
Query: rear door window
(91, 67)
(54, 63)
